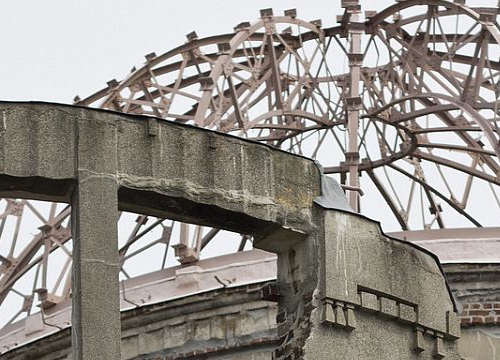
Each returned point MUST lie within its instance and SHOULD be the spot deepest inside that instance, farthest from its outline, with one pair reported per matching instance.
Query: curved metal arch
(393, 9)
(221, 58)
(273, 41)
(476, 116)
(287, 132)
(281, 133)
(108, 92)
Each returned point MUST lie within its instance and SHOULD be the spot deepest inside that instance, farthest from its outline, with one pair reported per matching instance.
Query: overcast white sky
(53, 50)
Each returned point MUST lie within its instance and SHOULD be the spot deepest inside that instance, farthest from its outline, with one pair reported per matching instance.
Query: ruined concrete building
(217, 203)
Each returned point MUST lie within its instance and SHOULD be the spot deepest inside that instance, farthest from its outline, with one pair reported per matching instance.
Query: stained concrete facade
(222, 324)
(346, 290)
(381, 298)
(471, 264)
(181, 312)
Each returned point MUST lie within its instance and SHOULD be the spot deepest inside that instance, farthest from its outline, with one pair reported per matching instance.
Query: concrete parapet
(177, 171)
(377, 298)
(345, 289)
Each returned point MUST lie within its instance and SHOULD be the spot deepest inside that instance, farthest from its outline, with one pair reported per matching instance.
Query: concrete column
(96, 331)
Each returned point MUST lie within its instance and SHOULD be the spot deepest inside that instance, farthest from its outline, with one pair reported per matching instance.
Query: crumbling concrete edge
(145, 117)
(342, 208)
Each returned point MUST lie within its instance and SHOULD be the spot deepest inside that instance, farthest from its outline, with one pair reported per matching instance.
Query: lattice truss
(401, 106)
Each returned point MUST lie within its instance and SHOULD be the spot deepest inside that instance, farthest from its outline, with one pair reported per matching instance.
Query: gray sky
(56, 49)
(53, 50)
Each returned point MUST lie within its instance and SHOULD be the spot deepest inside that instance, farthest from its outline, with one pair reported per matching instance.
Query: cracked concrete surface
(328, 260)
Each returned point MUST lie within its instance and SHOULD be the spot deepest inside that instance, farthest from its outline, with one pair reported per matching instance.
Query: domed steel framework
(401, 106)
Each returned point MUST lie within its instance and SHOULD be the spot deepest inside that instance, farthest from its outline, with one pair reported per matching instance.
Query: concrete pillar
(96, 331)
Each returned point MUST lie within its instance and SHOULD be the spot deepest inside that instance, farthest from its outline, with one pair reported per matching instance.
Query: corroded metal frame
(277, 81)
(416, 131)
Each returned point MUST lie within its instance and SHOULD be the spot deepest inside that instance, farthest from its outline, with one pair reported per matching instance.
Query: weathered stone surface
(477, 288)
(383, 281)
(388, 307)
(407, 314)
(151, 341)
(37, 140)
(184, 172)
(480, 343)
(369, 301)
(34, 144)
(361, 259)
(130, 345)
(178, 327)
(325, 258)
(199, 167)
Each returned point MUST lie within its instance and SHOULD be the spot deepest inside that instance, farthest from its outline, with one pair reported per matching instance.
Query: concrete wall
(376, 298)
(388, 298)
(228, 323)
(102, 162)
(345, 289)
(208, 178)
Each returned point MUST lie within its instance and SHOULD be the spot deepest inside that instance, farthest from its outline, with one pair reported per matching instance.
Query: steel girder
(407, 95)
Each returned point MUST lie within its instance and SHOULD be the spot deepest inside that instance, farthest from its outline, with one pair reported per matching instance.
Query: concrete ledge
(360, 261)
(162, 167)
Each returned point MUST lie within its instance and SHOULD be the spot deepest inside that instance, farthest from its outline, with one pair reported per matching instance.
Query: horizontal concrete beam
(102, 161)
(163, 168)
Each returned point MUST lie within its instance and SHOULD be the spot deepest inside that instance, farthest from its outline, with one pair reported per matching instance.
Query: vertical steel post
(355, 57)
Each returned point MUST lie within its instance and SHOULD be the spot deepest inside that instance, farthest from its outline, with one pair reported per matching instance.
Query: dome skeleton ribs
(407, 96)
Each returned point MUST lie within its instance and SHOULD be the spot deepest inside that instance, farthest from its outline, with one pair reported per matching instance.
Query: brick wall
(485, 313)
